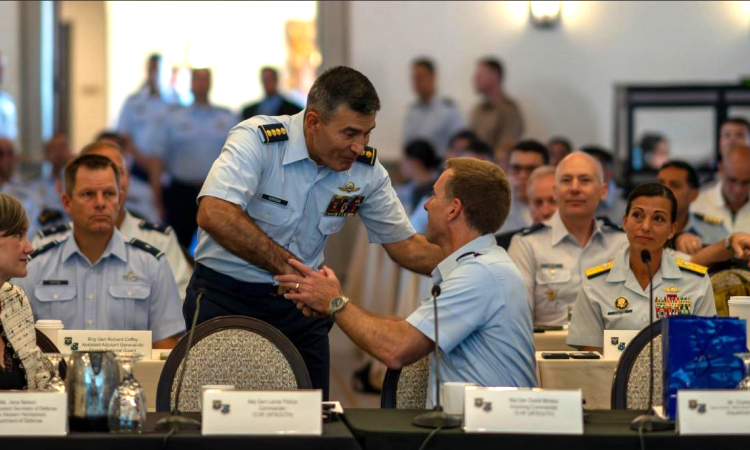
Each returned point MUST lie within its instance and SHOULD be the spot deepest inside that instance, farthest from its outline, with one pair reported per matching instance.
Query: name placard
(713, 412)
(514, 410)
(616, 341)
(25, 413)
(263, 412)
(69, 341)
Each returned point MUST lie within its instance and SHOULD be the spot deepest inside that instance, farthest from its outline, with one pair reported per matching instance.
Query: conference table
(147, 372)
(593, 376)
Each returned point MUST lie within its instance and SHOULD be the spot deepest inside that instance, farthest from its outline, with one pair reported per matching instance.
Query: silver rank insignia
(130, 276)
(349, 187)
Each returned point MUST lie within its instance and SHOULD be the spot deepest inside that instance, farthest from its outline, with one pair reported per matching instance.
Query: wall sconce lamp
(545, 14)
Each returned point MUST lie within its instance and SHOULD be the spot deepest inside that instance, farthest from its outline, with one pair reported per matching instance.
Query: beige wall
(88, 83)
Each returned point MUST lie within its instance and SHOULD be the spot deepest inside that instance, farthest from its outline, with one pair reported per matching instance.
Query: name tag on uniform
(54, 282)
(344, 205)
(271, 198)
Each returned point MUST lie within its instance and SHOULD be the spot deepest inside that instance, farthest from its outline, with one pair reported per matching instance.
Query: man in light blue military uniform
(694, 230)
(189, 142)
(95, 279)
(8, 120)
(431, 117)
(281, 186)
(485, 318)
(553, 255)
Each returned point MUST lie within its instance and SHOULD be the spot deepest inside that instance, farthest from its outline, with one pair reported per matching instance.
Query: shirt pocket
(550, 276)
(268, 212)
(330, 225)
(57, 302)
(130, 309)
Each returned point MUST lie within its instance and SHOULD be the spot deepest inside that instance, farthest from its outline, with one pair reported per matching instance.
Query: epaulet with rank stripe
(146, 247)
(691, 267)
(709, 219)
(146, 225)
(369, 156)
(593, 272)
(42, 249)
(532, 229)
(49, 215)
(47, 232)
(608, 223)
(273, 132)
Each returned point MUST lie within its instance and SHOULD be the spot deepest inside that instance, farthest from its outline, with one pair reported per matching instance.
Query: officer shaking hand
(281, 186)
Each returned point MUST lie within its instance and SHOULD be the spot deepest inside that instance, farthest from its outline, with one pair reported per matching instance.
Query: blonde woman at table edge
(609, 297)
(22, 365)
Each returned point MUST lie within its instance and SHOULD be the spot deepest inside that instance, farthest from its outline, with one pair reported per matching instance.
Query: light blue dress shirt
(485, 319)
(139, 114)
(8, 119)
(436, 121)
(287, 194)
(191, 139)
(127, 289)
(710, 230)
(613, 299)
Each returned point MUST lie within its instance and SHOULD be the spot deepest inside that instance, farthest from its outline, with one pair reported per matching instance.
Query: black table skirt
(603, 430)
(335, 436)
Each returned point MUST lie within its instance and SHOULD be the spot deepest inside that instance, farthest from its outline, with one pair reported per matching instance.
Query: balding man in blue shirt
(486, 332)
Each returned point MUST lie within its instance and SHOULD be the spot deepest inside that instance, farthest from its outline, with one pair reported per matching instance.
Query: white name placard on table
(24, 413)
(713, 412)
(514, 410)
(69, 341)
(263, 412)
(616, 341)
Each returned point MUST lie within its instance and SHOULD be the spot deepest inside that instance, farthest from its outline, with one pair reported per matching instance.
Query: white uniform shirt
(711, 203)
(552, 263)
(611, 298)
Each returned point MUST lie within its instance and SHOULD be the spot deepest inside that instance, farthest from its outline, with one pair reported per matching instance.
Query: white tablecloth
(593, 376)
(550, 341)
(147, 372)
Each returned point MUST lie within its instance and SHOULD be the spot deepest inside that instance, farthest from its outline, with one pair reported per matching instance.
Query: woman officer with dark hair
(615, 295)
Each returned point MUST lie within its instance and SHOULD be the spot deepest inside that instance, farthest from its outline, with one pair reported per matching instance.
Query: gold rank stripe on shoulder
(691, 267)
(595, 271)
(273, 132)
(369, 156)
(712, 220)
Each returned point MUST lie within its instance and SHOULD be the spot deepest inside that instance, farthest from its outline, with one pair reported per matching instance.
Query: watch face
(337, 302)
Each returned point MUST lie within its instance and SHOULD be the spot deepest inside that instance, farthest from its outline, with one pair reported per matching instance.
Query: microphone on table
(175, 421)
(648, 421)
(437, 418)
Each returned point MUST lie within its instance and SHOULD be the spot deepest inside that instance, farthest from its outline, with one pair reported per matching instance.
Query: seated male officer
(553, 255)
(486, 333)
(96, 279)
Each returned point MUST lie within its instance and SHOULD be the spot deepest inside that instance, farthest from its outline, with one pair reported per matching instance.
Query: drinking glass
(745, 382)
(127, 408)
(55, 383)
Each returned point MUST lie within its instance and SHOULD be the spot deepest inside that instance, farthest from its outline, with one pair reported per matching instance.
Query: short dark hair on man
(530, 145)
(653, 190)
(424, 152)
(154, 58)
(272, 70)
(737, 121)
(463, 134)
(565, 142)
(692, 175)
(484, 192)
(479, 147)
(495, 65)
(89, 161)
(603, 155)
(649, 141)
(342, 85)
(426, 63)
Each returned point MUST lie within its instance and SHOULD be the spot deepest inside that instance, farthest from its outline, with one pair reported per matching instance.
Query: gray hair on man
(539, 172)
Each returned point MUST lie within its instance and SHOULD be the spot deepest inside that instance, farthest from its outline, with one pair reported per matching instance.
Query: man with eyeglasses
(524, 157)
(729, 200)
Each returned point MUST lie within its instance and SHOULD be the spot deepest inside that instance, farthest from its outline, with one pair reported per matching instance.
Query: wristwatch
(728, 241)
(336, 305)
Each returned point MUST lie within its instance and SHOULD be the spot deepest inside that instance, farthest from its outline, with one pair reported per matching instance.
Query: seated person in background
(273, 104)
(541, 193)
(615, 294)
(612, 207)
(655, 150)
(486, 333)
(477, 150)
(729, 200)
(96, 279)
(12, 184)
(129, 226)
(525, 156)
(458, 143)
(421, 166)
(22, 365)
(552, 255)
(559, 148)
(694, 230)
(49, 185)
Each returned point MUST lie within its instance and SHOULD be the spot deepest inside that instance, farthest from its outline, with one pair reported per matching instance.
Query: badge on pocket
(344, 205)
